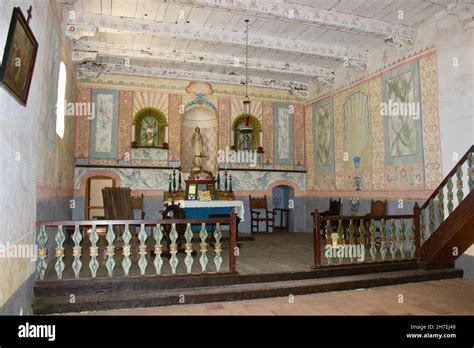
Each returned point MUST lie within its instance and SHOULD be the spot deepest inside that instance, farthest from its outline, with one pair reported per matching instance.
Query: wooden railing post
(233, 241)
(416, 220)
(317, 238)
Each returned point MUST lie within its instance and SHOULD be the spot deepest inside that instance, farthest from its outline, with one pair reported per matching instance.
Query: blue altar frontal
(202, 209)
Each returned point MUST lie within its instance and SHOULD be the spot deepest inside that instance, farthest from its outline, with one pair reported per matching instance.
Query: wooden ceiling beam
(296, 13)
(85, 22)
(87, 69)
(88, 50)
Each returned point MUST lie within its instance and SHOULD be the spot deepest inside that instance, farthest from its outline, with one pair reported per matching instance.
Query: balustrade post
(233, 242)
(110, 263)
(317, 238)
(76, 251)
(218, 247)
(42, 252)
(417, 223)
(188, 248)
(94, 251)
(142, 237)
(158, 236)
(203, 247)
(470, 171)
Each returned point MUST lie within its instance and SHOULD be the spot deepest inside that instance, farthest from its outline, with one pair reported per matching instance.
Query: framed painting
(19, 57)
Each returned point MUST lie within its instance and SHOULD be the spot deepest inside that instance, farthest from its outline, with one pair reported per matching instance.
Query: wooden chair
(258, 205)
(378, 209)
(335, 209)
(139, 204)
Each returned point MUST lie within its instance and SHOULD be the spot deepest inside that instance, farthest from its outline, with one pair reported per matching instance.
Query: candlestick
(230, 183)
(225, 181)
(169, 186)
(218, 181)
(180, 188)
(174, 180)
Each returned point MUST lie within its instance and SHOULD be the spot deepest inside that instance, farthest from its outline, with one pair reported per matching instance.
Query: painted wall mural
(104, 124)
(283, 130)
(383, 124)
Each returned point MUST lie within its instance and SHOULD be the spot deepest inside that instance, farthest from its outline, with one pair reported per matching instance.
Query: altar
(201, 209)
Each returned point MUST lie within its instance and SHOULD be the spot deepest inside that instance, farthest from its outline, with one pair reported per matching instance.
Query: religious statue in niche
(198, 146)
(150, 127)
(247, 129)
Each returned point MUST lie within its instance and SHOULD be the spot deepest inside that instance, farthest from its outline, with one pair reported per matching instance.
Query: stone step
(206, 294)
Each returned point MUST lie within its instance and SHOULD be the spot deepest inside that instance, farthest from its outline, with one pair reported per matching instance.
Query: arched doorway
(205, 119)
(283, 200)
(94, 202)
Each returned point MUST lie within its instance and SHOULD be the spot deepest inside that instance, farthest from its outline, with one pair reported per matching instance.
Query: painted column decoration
(82, 126)
(299, 134)
(429, 114)
(267, 118)
(224, 123)
(124, 123)
(378, 150)
(174, 128)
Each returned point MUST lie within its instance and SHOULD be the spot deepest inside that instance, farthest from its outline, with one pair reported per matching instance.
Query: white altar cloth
(238, 205)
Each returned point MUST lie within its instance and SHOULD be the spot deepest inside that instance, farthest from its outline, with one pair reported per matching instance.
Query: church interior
(279, 146)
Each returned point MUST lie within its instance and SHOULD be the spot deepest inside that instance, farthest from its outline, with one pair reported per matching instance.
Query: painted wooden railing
(441, 203)
(392, 237)
(129, 254)
(359, 239)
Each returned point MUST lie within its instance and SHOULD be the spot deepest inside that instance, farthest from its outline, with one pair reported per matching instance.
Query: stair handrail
(450, 174)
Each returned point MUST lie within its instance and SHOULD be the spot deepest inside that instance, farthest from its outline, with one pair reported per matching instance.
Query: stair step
(122, 300)
(153, 283)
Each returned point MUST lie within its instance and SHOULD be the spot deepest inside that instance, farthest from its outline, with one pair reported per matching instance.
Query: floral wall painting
(19, 58)
(401, 108)
(283, 128)
(104, 124)
(323, 134)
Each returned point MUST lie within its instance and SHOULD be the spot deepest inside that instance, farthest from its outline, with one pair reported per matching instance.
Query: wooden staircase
(455, 233)
(452, 238)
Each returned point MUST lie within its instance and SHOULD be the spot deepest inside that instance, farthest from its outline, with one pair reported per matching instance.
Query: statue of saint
(150, 132)
(198, 145)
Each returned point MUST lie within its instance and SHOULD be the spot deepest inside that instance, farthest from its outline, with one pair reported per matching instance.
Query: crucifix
(30, 9)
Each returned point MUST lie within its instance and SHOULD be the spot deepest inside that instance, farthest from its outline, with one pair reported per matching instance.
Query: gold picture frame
(204, 195)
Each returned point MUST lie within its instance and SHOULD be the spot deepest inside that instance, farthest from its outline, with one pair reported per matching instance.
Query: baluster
(94, 251)
(362, 239)
(188, 248)
(76, 251)
(440, 205)
(158, 235)
(126, 262)
(203, 260)
(373, 249)
(450, 195)
(340, 241)
(393, 239)
(351, 241)
(328, 251)
(423, 225)
(173, 248)
(218, 247)
(59, 266)
(412, 239)
(142, 237)
(110, 263)
(460, 185)
(383, 239)
(431, 216)
(402, 238)
(42, 252)
(470, 171)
